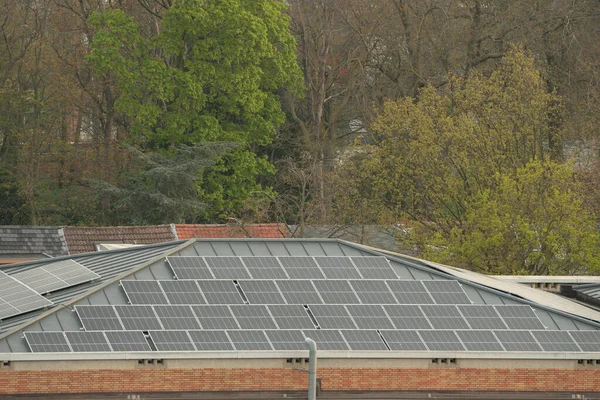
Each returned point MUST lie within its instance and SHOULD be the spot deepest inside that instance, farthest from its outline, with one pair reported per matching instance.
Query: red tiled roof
(82, 239)
(188, 231)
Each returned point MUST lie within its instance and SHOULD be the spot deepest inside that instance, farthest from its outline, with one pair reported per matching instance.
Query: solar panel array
(17, 298)
(274, 303)
(55, 276)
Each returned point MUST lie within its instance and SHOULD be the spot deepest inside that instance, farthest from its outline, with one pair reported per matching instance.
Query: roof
(188, 231)
(82, 239)
(22, 242)
(589, 293)
(153, 266)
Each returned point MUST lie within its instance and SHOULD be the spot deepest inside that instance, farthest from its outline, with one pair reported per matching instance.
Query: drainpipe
(312, 369)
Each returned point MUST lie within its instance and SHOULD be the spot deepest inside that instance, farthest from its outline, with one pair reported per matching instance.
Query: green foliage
(12, 205)
(212, 74)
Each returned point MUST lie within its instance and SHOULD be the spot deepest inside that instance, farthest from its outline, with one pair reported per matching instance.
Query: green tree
(213, 73)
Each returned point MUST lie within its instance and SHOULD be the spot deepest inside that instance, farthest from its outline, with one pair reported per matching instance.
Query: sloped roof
(589, 293)
(81, 239)
(31, 241)
(188, 231)
(158, 268)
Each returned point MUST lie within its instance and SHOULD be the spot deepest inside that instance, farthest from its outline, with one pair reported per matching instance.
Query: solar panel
(587, 340)
(447, 292)
(227, 267)
(249, 340)
(299, 292)
(517, 340)
(519, 317)
(291, 316)
(16, 298)
(211, 340)
(88, 341)
(127, 341)
(177, 317)
(264, 267)
(444, 317)
(190, 268)
(441, 340)
(364, 340)
(287, 340)
(336, 292)
(555, 341)
(215, 317)
(410, 292)
(369, 316)
(56, 275)
(47, 342)
(301, 267)
(374, 268)
(475, 340)
(172, 341)
(407, 317)
(482, 317)
(327, 340)
(253, 317)
(373, 292)
(144, 292)
(220, 292)
(338, 268)
(261, 292)
(403, 340)
(332, 316)
(138, 318)
(182, 292)
(99, 318)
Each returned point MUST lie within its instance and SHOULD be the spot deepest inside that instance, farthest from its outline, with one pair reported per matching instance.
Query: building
(229, 317)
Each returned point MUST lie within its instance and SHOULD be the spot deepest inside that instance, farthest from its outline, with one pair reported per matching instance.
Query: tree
(213, 73)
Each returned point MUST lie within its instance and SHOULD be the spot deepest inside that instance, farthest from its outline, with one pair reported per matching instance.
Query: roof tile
(188, 231)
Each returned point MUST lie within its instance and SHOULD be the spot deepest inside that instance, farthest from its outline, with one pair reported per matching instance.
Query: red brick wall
(165, 380)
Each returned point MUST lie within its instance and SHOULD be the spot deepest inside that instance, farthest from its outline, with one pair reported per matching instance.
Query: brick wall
(265, 379)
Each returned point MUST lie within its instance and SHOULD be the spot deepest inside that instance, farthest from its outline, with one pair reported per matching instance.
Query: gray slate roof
(24, 241)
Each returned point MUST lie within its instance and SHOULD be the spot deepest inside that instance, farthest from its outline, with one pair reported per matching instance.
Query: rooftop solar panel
(555, 340)
(374, 268)
(182, 292)
(127, 341)
(441, 340)
(327, 339)
(364, 340)
(447, 292)
(369, 316)
(407, 316)
(264, 267)
(299, 292)
(220, 292)
(55, 276)
(301, 268)
(373, 292)
(444, 317)
(482, 317)
(227, 267)
(215, 317)
(144, 292)
(138, 318)
(479, 340)
(16, 298)
(519, 317)
(332, 316)
(261, 292)
(291, 316)
(99, 318)
(177, 317)
(517, 340)
(587, 340)
(190, 268)
(82, 341)
(338, 268)
(172, 341)
(410, 292)
(253, 317)
(403, 340)
(47, 342)
(249, 340)
(336, 292)
(211, 340)
(286, 339)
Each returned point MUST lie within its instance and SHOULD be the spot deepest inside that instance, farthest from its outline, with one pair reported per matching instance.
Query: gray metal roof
(589, 293)
(26, 241)
(149, 263)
